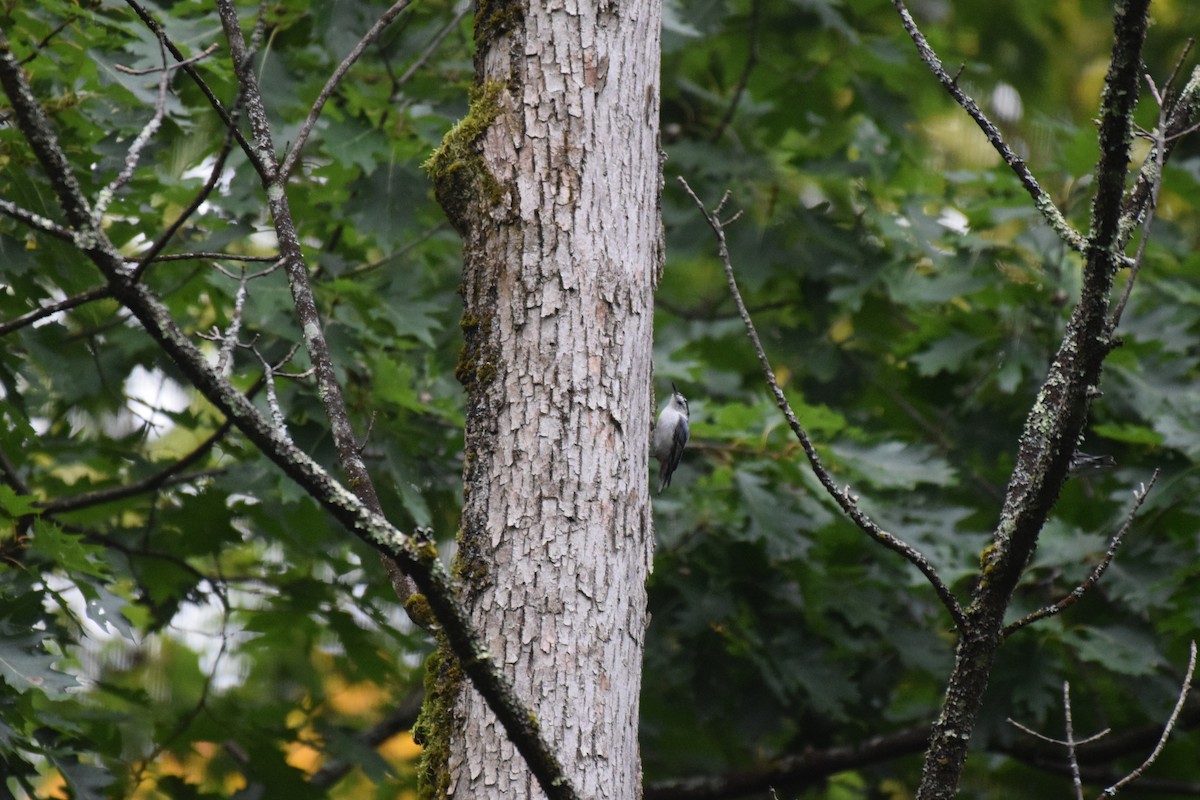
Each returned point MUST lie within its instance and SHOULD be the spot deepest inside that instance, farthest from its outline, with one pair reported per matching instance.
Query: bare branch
(401, 719)
(230, 338)
(747, 68)
(208, 256)
(133, 156)
(1041, 200)
(160, 480)
(1072, 759)
(96, 293)
(434, 43)
(356, 52)
(205, 53)
(272, 398)
(190, 70)
(1055, 420)
(1186, 687)
(12, 476)
(799, 770)
(842, 496)
(40, 46)
(304, 303)
(1078, 592)
(214, 176)
(1169, 86)
(1152, 169)
(1182, 112)
(1051, 740)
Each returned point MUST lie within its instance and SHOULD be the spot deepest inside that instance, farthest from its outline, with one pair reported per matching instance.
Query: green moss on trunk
(462, 182)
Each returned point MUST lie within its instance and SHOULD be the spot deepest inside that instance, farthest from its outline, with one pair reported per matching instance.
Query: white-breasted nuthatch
(670, 437)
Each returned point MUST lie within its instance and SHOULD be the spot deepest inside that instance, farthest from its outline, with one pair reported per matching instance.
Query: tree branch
(420, 561)
(152, 254)
(842, 496)
(109, 193)
(747, 68)
(1186, 687)
(36, 221)
(207, 256)
(401, 719)
(1184, 110)
(1091, 580)
(794, 772)
(427, 53)
(1041, 200)
(190, 70)
(289, 163)
(1053, 425)
(328, 388)
(170, 475)
(88, 296)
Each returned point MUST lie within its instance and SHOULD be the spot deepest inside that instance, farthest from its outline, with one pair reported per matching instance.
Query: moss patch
(462, 182)
(443, 680)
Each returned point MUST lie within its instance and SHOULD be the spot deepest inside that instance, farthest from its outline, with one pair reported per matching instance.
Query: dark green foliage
(902, 280)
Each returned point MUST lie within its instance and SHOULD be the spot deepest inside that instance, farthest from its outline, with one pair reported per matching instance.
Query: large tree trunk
(553, 180)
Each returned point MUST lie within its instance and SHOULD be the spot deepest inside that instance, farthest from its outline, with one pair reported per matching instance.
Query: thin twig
(1071, 744)
(12, 476)
(208, 51)
(1169, 86)
(190, 716)
(172, 474)
(1167, 729)
(134, 154)
(747, 68)
(230, 339)
(88, 296)
(273, 398)
(399, 720)
(190, 71)
(1078, 592)
(1072, 756)
(303, 299)
(1153, 168)
(40, 46)
(1182, 111)
(289, 162)
(1051, 740)
(1041, 199)
(160, 480)
(434, 43)
(209, 256)
(847, 501)
(152, 254)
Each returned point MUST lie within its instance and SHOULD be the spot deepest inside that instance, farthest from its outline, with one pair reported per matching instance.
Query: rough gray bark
(1052, 427)
(554, 181)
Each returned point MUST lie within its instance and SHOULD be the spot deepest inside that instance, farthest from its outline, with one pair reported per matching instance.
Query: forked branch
(1098, 571)
(847, 501)
(1072, 744)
